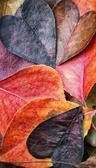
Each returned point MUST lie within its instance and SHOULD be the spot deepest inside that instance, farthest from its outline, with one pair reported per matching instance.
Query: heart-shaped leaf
(27, 118)
(25, 85)
(29, 30)
(73, 34)
(60, 137)
(9, 63)
(33, 36)
(85, 6)
(77, 74)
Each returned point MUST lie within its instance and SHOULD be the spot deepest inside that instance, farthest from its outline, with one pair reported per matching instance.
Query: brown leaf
(9, 7)
(90, 163)
(73, 33)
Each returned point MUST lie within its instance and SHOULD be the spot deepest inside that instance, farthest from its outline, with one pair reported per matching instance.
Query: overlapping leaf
(8, 165)
(9, 7)
(32, 36)
(9, 63)
(90, 163)
(34, 40)
(60, 138)
(52, 3)
(91, 99)
(88, 116)
(73, 33)
(14, 147)
(77, 74)
(85, 6)
(25, 85)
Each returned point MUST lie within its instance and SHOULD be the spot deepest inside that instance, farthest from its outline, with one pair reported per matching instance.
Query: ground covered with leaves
(47, 83)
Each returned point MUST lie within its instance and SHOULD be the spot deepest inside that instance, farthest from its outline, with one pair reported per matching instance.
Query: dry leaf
(85, 6)
(25, 85)
(54, 138)
(9, 7)
(33, 36)
(25, 120)
(73, 33)
(9, 63)
(90, 163)
(77, 74)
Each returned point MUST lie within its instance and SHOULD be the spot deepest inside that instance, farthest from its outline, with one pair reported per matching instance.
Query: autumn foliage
(47, 79)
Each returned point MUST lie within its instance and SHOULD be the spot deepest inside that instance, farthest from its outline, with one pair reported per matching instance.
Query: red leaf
(78, 73)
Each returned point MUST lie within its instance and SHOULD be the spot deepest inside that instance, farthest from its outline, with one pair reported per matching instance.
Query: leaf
(85, 6)
(73, 33)
(91, 137)
(90, 163)
(87, 121)
(33, 36)
(52, 3)
(9, 63)
(27, 118)
(8, 165)
(9, 7)
(77, 74)
(25, 85)
(90, 80)
(91, 99)
(59, 138)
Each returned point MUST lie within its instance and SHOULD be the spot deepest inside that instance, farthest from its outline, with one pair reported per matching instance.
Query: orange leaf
(88, 115)
(20, 88)
(25, 120)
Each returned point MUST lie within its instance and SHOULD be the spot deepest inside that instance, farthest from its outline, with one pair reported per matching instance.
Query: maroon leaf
(73, 33)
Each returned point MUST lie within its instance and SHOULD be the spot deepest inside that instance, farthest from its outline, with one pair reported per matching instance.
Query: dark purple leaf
(8, 165)
(33, 36)
(52, 3)
(60, 137)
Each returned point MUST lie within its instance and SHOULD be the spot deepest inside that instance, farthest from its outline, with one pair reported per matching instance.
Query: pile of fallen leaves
(47, 83)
